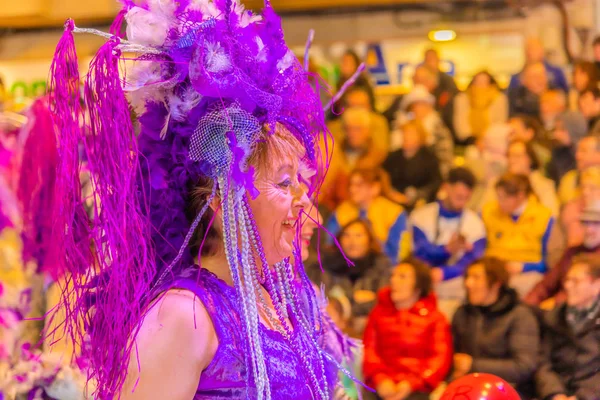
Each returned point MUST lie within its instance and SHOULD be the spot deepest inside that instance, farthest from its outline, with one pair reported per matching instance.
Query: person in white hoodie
(419, 105)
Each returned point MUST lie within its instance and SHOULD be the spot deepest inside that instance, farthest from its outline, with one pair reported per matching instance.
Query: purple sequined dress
(226, 375)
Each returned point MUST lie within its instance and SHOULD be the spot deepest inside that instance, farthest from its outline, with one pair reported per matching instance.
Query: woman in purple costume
(198, 289)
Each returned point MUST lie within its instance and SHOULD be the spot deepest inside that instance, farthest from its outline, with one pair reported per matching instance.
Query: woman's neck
(410, 153)
(364, 205)
(406, 303)
(218, 265)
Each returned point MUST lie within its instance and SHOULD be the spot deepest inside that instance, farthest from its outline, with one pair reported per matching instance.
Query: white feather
(245, 17)
(147, 28)
(165, 128)
(261, 56)
(145, 83)
(165, 7)
(181, 106)
(215, 59)
(287, 61)
(206, 7)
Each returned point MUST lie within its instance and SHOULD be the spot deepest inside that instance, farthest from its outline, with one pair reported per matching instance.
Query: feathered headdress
(207, 77)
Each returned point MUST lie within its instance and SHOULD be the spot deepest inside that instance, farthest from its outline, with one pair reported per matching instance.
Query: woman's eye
(285, 184)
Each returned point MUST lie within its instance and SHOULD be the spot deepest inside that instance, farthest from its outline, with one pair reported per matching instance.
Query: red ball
(480, 387)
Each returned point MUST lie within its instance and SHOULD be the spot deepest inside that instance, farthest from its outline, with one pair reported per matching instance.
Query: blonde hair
(278, 145)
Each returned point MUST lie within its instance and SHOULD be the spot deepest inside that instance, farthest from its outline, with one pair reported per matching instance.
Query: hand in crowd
(514, 268)
(364, 296)
(562, 136)
(548, 304)
(398, 197)
(437, 275)
(462, 364)
(458, 244)
(403, 390)
(564, 397)
(388, 390)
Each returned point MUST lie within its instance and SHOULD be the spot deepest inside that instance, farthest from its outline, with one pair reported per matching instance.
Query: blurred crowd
(470, 225)
(463, 235)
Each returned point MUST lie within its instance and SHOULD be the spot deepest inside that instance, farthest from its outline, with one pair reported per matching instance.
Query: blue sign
(376, 64)
(448, 67)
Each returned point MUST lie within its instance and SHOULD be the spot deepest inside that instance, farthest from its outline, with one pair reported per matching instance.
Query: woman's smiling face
(277, 208)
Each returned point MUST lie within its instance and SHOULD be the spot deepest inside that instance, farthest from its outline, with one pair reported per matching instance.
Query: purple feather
(142, 183)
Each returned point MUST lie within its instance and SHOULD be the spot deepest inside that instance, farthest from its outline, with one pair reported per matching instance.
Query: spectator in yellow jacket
(518, 229)
(366, 201)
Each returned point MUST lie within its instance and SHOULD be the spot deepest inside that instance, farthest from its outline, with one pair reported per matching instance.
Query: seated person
(408, 347)
(585, 156)
(486, 159)
(518, 228)
(358, 283)
(523, 160)
(535, 53)
(569, 128)
(480, 106)
(570, 367)
(493, 332)
(414, 169)
(570, 231)
(529, 130)
(549, 292)
(358, 97)
(445, 90)
(418, 105)
(387, 219)
(552, 104)
(448, 236)
(589, 105)
(525, 99)
(349, 63)
(585, 76)
(354, 150)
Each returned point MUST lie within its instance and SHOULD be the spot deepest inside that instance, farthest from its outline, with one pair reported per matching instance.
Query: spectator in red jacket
(407, 342)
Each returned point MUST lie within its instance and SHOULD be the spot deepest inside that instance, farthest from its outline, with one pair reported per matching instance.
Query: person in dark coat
(414, 170)
(494, 333)
(570, 368)
(525, 99)
(446, 90)
(408, 346)
(569, 129)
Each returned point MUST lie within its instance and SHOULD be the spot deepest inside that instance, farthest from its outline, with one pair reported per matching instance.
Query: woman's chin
(283, 251)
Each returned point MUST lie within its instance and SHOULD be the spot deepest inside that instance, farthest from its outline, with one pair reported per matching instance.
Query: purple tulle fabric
(226, 376)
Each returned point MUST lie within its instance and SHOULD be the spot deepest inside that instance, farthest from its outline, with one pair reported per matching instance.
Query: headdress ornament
(209, 78)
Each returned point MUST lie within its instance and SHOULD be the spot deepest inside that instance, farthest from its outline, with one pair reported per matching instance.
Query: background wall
(494, 44)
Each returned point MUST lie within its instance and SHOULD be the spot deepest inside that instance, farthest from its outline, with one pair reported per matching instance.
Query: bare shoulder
(176, 341)
(179, 315)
